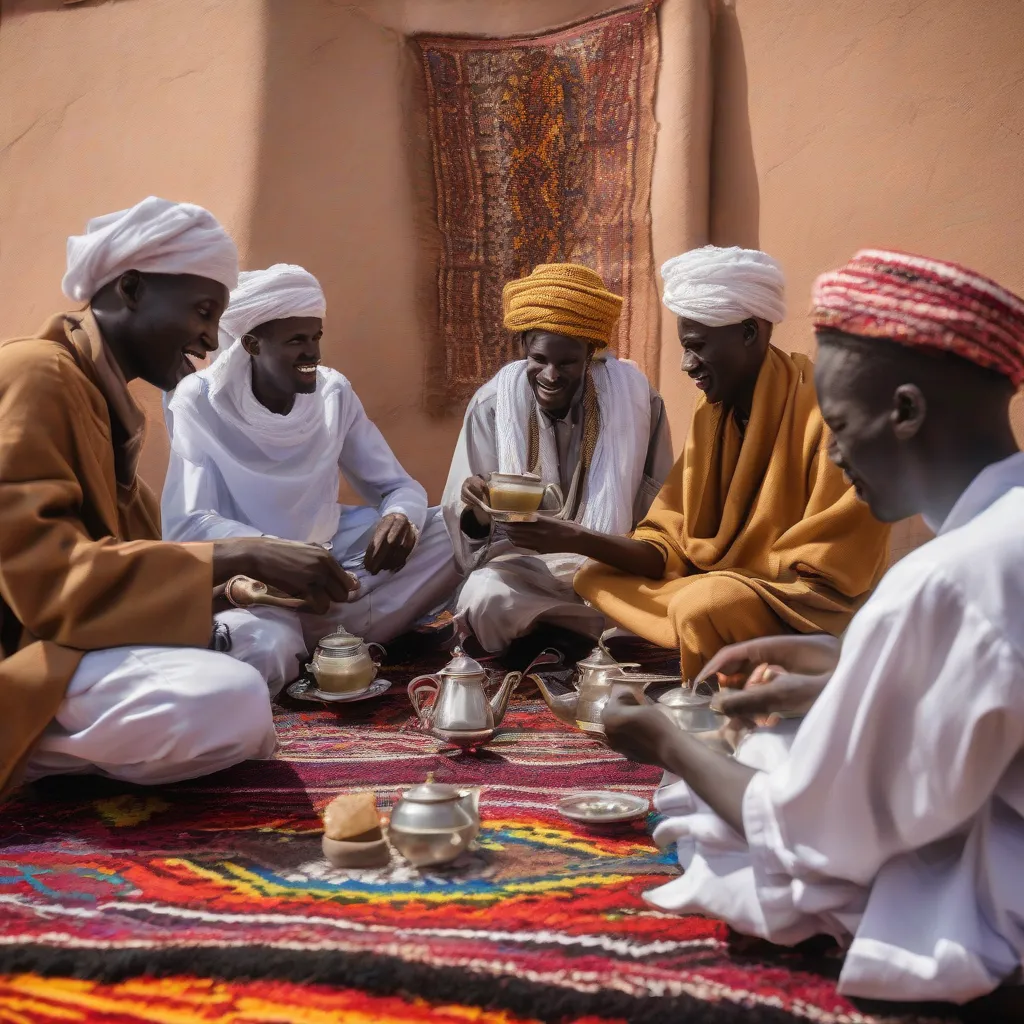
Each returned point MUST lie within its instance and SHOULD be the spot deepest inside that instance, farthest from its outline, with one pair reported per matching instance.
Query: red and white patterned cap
(924, 303)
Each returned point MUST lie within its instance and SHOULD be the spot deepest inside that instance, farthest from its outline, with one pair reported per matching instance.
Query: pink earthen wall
(102, 104)
(292, 122)
(855, 123)
(885, 122)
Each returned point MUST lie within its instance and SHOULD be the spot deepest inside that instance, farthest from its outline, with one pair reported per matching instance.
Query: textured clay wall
(855, 123)
(292, 122)
(106, 103)
(888, 122)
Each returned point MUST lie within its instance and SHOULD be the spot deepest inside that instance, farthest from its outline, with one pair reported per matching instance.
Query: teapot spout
(499, 702)
(562, 704)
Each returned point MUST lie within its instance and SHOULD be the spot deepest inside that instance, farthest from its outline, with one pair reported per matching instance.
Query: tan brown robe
(82, 566)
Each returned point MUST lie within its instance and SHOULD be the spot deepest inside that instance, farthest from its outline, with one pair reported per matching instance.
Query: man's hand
(473, 490)
(637, 731)
(391, 545)
(547, 536)
(770, 694)
(801, 654)
(642, 732)
(298, 570)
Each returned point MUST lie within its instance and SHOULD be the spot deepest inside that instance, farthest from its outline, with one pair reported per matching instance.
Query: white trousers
(391, 603)
(152, 715)
(506, 598)
(278, 642)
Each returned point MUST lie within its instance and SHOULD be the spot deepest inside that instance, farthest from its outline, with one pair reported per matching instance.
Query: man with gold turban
(756, 532)
(574, 416)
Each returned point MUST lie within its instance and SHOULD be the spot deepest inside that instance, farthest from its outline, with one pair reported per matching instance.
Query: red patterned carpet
(209, 900)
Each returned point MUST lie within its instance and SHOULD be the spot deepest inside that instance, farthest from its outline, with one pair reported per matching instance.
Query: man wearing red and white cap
(896, 822)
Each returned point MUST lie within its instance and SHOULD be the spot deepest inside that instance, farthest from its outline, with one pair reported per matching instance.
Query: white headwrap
(155, 236)
(216, 416)
(281, 291)
(715, 287)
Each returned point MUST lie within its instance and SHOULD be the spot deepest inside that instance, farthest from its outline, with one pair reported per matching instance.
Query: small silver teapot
(461, 712)
(596, 677)
(342, 663)
(434, 822)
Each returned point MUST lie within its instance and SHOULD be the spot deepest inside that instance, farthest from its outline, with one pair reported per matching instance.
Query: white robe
(238, 470)
(508, 590)
(896, 821)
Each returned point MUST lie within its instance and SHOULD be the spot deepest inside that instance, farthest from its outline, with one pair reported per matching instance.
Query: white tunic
(238, 470)
(509, 590)
(896, 823)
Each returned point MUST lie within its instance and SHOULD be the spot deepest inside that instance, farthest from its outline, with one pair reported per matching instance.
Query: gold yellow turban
(564, 298)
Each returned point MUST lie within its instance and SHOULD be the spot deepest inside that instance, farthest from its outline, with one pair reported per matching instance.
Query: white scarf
(617, 468)
(217, 418)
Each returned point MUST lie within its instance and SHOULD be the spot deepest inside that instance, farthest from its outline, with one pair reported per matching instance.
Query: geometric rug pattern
(209, 900)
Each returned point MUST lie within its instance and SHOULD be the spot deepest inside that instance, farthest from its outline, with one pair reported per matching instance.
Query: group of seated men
(889, 814)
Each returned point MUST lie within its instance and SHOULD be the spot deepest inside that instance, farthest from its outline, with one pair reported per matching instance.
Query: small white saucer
(304, 689)
(603, 807)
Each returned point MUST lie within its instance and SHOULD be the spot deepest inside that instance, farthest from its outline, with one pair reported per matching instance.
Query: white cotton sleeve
(187, 506)
(908, 742)
(370, 466)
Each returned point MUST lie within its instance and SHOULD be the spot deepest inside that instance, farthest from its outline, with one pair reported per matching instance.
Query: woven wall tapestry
(542, 152)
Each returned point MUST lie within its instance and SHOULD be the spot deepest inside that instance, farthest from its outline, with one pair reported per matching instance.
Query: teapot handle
(380, 647)
(422, 683)
(549, 656)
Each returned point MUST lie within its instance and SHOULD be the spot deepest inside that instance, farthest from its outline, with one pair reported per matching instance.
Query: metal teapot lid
(340, 642)
(599, 657)
(431, 792)
(462, 665)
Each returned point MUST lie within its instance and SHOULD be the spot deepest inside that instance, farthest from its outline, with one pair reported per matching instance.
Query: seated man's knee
(270, 640)
(236, 704)
(483, 592)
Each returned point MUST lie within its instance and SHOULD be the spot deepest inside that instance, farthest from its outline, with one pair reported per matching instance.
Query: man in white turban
(257, 444)
(105, 629)
(755, 532)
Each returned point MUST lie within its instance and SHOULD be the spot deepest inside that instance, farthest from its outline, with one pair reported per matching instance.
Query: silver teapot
(342, 663)
(433, 823)
(461, 712)
(690, 707)
(596, 677)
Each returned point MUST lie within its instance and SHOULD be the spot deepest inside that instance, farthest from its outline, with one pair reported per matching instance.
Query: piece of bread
(352, 817)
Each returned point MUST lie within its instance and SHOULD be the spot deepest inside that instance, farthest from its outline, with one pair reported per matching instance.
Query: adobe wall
(104, 104)
(884, 122)
(894, 123)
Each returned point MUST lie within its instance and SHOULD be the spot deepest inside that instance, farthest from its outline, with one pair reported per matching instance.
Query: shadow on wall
(735, 192)
(333, 193)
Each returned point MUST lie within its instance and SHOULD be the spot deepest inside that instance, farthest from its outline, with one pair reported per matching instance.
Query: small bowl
(341, 853)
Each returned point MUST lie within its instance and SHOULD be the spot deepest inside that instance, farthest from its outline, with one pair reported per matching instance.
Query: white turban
(715, 287)
(281, 291)
(156, 236)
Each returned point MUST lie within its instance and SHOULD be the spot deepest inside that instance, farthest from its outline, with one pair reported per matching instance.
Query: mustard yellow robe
(761, 533)
(82, 566)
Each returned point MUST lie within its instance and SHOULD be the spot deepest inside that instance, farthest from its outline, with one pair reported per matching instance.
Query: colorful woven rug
(210, 901)
(542, 149)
